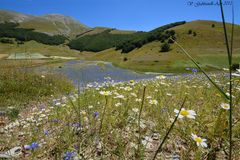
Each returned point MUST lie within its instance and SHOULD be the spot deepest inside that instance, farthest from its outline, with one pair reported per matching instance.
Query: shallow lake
(83, 72)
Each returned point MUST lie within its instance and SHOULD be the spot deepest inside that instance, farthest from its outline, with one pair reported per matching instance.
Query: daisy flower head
(185, 113)
(118, 104)
(132, 82)
(225, 106)
(200, 141)
(138, 100)
(237, 74)
(161, 77)
(127, 88)
(105, 93)
(135, 110)
(153, 102)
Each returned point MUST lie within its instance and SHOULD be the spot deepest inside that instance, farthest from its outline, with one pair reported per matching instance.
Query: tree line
(11, 30)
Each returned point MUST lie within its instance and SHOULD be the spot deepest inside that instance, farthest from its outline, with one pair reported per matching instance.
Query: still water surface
(83, 72)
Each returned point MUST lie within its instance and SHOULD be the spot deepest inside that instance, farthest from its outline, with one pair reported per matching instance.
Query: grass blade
(168, 132)
(191, 58)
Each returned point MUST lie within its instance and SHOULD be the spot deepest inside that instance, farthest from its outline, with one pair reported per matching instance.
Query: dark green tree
(189, 31)
(165, 47)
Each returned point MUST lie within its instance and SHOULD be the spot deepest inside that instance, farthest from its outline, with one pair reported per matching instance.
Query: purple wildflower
(46, 132)
(96, 115)
(27, 147)
(194, 70)
(68, 155)
(33, 146)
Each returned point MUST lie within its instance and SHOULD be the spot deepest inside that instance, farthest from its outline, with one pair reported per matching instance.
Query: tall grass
(20, 86)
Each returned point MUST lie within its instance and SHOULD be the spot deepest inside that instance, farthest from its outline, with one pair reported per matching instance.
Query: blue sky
(142, 15)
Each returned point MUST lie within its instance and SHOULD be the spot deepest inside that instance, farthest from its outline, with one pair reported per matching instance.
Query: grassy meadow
(20, 89)
(126, 121)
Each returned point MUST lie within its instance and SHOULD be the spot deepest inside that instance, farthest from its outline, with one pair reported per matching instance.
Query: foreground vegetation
(129, 120)
(20, 87)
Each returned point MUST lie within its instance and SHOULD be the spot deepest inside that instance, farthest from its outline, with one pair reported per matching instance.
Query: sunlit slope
(51, 23)
(208, 47)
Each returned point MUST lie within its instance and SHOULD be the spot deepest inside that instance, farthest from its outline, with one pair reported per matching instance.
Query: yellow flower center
(184, 113)
(226, 106)
(197, 139)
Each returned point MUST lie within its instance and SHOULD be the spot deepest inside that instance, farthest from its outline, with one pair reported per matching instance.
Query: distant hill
(101, 39)
(204, 40)
(52, 24)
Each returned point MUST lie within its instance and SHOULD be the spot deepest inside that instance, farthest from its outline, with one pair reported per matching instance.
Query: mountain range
(50, 23)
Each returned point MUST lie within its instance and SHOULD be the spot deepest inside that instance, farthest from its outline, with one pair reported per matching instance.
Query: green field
(107, 122)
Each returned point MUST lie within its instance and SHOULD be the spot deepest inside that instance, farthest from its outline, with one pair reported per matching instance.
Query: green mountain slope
(124, 41)
(207, 46)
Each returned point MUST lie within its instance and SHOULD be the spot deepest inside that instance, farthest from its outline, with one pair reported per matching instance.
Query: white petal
(204, 144)
(194, 135)
(192, 112)
(180, 116)
(191, 116)
(176, 111)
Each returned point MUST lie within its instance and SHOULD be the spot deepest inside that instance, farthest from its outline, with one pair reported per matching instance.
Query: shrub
(165, 47)
(6, 40)
(213, 25)
(235, 66)
(170, 40)
(125, 59)
(20, 42)
(13, 113)
(189, 31)
(194, 34)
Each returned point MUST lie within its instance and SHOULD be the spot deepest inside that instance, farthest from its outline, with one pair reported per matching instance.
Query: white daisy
(200, 142)
(135, 110)
(105, 93)
(185, 113)
(118, 104)
(153, 102)
(236, 74)
(161, 77)
(225, 106)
